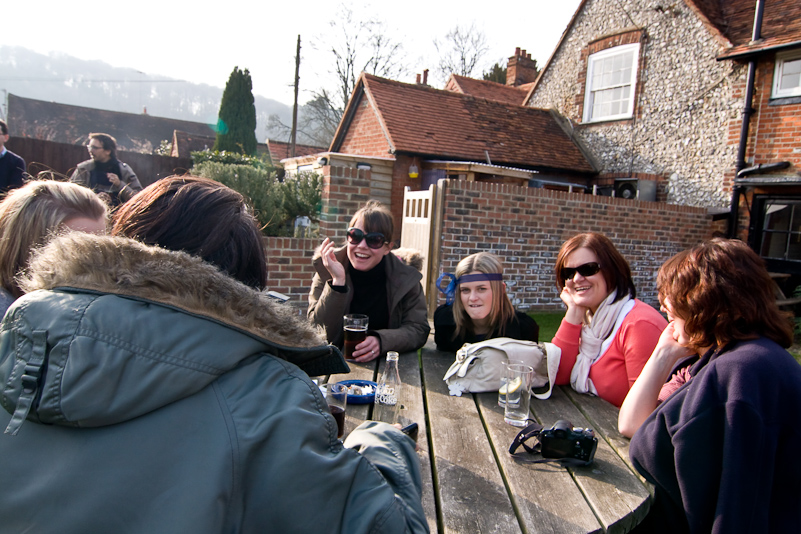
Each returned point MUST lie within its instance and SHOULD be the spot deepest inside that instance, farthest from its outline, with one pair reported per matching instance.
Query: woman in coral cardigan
(607, 334)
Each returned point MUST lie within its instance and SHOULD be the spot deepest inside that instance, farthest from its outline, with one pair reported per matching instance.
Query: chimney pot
(523, 52)
(425, 77)
(517, 51)
(528, 57)
(418, 79)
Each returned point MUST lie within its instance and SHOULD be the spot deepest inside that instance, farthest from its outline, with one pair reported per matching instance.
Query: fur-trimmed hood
(126, 267)
(118, 329)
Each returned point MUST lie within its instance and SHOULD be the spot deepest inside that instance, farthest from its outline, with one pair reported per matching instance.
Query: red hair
(724, 293)
(614, 267)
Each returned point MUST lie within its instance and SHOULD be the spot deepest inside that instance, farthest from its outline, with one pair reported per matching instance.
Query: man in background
(12, 167)
(104, 173)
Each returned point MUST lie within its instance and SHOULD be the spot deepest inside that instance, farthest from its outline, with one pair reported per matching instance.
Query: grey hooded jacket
(163, 399)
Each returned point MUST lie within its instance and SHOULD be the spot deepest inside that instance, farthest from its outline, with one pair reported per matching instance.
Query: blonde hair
(501, 311)
(31, 214)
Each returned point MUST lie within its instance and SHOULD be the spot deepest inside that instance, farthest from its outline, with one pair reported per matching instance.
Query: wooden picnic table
(471, 484)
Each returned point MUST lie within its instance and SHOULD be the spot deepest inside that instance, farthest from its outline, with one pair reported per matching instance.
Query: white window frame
(781, 61)
(589, 90)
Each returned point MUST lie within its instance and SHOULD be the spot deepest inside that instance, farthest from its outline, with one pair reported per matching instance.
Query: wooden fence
(62, 158)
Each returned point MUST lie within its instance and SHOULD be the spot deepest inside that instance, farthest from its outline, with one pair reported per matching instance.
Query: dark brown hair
(108, 142)
(724, 293)
(375, 217)
(201, 217)
(614, 267)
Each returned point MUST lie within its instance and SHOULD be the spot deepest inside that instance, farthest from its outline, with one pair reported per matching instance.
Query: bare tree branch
(461, 51)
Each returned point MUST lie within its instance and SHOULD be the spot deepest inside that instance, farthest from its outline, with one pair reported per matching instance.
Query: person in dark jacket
(156, 389)
(478, 308)
(104, 174)
(364, 277)
(12, 166)
(722, 449)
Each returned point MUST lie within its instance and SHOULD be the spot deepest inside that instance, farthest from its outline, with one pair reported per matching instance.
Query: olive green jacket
(408, 315)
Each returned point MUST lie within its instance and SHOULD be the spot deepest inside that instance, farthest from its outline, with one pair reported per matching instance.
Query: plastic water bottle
(388, 392)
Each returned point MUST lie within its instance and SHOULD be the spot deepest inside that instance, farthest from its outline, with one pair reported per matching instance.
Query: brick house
(431, 134)
(657, 91)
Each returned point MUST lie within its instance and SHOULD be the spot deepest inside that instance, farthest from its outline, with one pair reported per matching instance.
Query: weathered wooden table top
(470, 482)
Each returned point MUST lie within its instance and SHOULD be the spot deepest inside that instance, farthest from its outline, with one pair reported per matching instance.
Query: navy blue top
(12, 168)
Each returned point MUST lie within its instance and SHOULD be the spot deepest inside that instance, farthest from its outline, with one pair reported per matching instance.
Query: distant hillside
(69, 80)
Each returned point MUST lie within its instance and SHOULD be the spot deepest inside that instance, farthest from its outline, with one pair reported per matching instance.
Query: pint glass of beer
(355, 332)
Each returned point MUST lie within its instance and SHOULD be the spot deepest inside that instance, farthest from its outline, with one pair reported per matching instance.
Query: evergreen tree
(236, 125)
(497, 73)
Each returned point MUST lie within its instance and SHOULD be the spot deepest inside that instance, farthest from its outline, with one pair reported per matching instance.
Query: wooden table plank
(545, 494)
(619, 499)
(470, 492)
(413, 410)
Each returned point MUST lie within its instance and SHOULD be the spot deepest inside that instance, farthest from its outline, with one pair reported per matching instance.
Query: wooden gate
(420, 218)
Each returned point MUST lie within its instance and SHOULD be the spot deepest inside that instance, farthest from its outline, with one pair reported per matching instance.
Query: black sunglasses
(585, 270)
(375, 240)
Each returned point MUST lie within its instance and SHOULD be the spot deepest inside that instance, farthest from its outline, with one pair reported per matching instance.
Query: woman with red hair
(607, 334)
(721, 449)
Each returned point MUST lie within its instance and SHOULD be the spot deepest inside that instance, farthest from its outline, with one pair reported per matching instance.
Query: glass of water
(518, 393)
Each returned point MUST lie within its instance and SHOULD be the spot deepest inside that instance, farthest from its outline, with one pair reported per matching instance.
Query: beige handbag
(479, 366)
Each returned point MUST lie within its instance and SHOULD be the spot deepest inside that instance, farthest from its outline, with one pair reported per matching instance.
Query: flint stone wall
(684, 104)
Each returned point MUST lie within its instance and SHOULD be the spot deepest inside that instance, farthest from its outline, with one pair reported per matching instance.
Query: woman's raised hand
(575, 314)
(332, 264)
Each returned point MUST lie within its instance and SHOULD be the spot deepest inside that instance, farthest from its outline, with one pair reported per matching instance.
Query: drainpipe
(756, 34)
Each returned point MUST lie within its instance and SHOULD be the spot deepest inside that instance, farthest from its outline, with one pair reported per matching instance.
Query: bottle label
(387, 396)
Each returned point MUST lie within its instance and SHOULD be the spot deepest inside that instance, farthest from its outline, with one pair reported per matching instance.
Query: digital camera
(563, 441)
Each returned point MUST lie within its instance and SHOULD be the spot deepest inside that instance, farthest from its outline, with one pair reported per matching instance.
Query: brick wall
(365, 134)
(527, 226)
(524, 226)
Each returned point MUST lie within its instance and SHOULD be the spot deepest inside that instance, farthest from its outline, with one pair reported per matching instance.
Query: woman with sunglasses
(363, 277)
(477, 307)
(607, 334)
(721, 448)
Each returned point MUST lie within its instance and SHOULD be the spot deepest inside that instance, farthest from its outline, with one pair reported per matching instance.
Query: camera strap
(531, 431)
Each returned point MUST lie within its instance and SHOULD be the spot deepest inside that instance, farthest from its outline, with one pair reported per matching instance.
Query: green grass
(549, 324)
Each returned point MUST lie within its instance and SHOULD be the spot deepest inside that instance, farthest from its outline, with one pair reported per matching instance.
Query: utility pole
(293, 136)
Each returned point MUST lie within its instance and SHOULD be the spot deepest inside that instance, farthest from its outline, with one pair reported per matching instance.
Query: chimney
(521, 68)
(418, 79)
(425, 77)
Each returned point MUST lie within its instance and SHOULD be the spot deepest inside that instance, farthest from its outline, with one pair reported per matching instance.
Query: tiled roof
(280, 150)
(72, 124)
(435, 123)
(485, 89)
(734, 19)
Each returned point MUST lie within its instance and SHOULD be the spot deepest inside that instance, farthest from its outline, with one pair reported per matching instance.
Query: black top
(520, 326)
(370, 295)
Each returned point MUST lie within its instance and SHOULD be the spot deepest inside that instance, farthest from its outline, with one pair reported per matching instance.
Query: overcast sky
(201, 42)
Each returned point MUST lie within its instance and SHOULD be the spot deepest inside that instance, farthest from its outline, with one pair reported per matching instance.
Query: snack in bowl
(360, 391)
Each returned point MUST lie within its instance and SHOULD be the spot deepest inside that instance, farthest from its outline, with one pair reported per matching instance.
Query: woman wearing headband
(477, 307)
(607, 334)
(363, 277)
